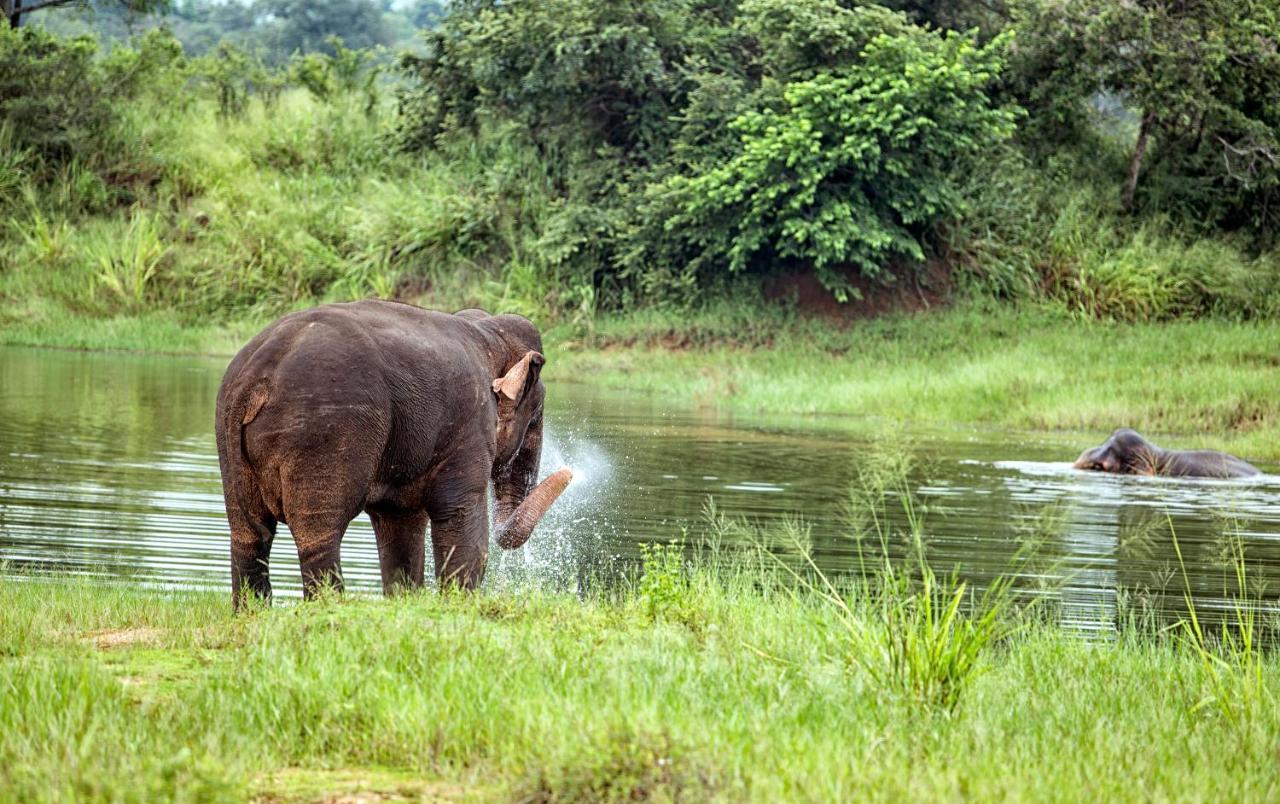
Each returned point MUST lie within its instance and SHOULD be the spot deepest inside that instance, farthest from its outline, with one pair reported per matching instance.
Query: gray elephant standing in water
(391, 409)
(1128, 453)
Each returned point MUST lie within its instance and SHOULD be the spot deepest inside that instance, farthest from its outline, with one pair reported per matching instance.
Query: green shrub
(344, 73)
(853, 168)
(60, 99)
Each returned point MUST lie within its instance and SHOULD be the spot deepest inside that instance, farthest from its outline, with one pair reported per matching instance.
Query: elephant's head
(1125, 452)
(519, 394)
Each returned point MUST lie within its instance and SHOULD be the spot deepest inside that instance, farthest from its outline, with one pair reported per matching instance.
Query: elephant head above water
(383, 407)
(1128, 453)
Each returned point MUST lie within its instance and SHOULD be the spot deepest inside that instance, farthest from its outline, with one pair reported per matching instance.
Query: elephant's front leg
(401, 539)
(460, 542)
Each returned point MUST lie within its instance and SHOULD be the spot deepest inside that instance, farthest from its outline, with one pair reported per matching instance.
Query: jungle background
(1075, 203)
(565, 159)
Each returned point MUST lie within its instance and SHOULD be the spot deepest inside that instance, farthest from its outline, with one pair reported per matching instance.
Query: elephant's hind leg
(317, 530)
(319, 541)
(321, 495)
(401, 547)
(250, 556)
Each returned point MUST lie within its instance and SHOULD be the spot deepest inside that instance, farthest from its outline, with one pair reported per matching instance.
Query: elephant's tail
(242, 410)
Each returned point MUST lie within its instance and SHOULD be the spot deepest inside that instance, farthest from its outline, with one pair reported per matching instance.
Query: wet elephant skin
(388, 408)
(1128, 453)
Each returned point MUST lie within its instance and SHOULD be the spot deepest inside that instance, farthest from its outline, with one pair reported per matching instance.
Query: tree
(426, 13)
(1200, 77)
(15, 10)
(854, 164)
(305, 26)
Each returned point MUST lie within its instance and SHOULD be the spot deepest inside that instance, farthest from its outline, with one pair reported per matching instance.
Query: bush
(686, 140)
(852, 168)
(61, 100)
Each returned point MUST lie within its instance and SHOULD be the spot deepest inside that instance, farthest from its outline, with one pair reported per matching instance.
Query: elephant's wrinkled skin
(382, 407)
(1128, 453)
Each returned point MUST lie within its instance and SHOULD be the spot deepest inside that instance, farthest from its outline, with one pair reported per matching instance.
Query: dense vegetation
(1094, 187)
(1115, 161)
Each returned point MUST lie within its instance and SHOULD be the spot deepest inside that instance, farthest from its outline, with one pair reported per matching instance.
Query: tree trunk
(11, 13)
(1135, 163)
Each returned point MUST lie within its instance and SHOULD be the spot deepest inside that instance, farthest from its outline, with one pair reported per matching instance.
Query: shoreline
(1200, 383)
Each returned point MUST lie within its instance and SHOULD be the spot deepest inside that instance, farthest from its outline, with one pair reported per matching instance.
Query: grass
(750, 693)
(1189, 383)
(717, 674)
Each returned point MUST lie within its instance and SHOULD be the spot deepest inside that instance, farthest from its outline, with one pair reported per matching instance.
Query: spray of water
(568, 539)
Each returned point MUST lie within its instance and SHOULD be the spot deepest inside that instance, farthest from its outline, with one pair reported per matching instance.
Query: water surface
(108, 468)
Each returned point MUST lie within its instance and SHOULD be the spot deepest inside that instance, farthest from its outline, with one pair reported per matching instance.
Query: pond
(108, 468)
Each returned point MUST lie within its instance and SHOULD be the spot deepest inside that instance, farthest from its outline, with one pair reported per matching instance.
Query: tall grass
(201, 214)
(1232, 659)
(922, 635)
(128, 694)
(128, 266)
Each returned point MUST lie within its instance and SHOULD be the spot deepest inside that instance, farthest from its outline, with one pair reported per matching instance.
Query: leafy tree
(609, 71)
(697, 137)
(347, 72)
(853, 165)
(989, 17)
(15, 10)
(426, 13)
(1201, 77)
(60, 98)
(306, 26)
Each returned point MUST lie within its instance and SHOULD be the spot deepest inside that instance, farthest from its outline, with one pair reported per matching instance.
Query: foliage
(589, 74)
(15, 14)
(304, 26)
(236, 76)
(127, 268)
(718, 135)
(664, 588)
(59, 99)
(345, 72)
(569, 160)
(1199, 78)
(852, 168)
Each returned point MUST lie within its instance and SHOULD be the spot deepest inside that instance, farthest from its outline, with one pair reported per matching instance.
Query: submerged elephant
(388, 408)
(1128, 453)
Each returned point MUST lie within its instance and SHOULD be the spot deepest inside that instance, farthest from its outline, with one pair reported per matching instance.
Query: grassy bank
(188, 228)
(686, 686)
(1196, 383)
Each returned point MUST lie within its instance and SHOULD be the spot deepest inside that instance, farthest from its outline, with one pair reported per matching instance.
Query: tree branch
(19, 8)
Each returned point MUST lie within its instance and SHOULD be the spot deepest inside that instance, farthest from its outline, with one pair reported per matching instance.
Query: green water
(108, 468)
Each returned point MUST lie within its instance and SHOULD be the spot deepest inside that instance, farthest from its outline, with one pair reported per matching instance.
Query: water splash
(568, 540)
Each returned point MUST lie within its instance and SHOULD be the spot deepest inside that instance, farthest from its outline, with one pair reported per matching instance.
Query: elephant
(384, 407)
(1128, 453)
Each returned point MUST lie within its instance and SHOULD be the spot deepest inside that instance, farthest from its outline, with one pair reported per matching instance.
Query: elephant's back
(381, 377)
(1209, 463)
(339, 345)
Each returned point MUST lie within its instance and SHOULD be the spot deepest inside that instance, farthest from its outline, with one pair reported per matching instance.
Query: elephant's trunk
(515, 529)
(519, 504)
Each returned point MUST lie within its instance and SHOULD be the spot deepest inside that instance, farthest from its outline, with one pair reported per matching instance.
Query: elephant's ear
(522, 376)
